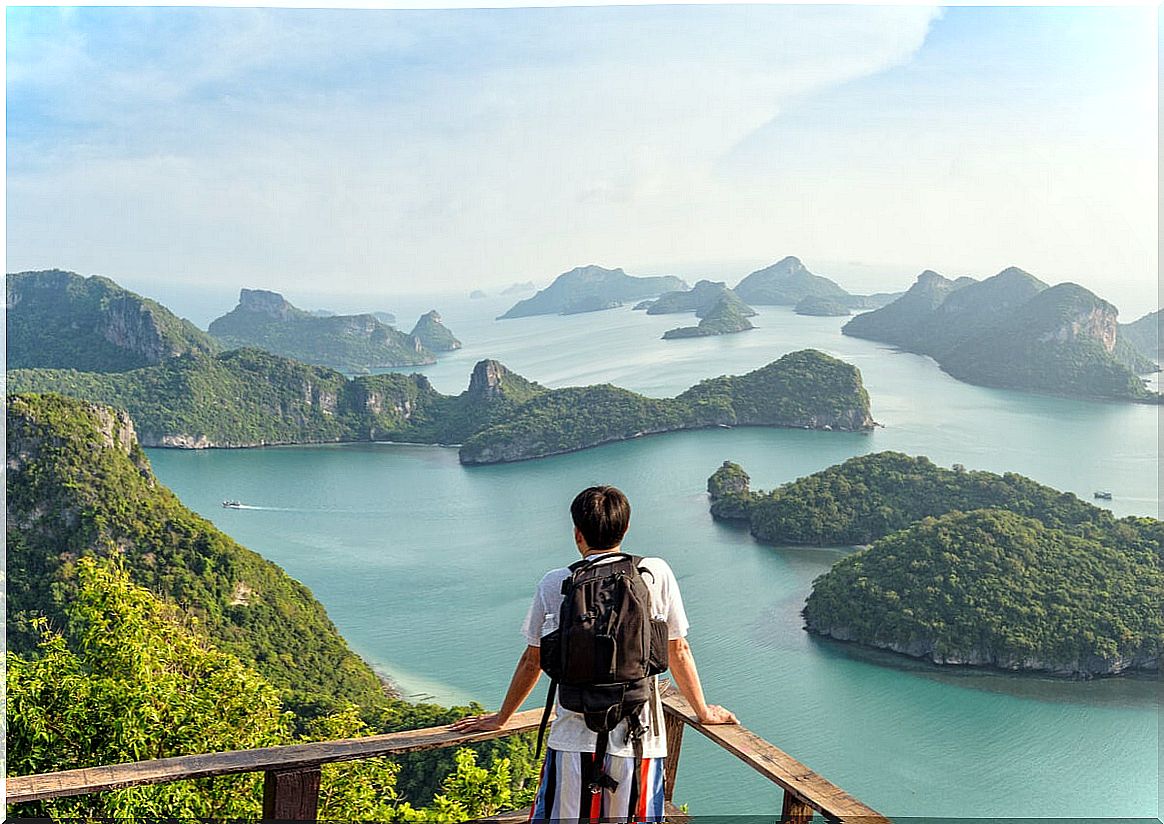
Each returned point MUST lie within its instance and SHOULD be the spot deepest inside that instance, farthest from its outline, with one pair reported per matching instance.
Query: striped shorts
(562, 795)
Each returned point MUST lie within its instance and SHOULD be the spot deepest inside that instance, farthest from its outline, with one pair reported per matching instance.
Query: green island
(1012, 330)
(352, 343)
(138, 630)
(591, 289)
(727, 316)
(965, 567)
(994, 588)
(432, 333)
(61, 320)
(247, 397)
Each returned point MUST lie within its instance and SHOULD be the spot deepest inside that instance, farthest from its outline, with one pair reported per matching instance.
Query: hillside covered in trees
(60, 320)
(138, 630)
(1012, 330)
(250, 398)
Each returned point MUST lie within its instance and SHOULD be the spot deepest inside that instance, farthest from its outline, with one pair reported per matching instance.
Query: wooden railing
(292, 772)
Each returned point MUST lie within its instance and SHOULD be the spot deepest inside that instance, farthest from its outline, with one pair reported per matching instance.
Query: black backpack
(603, 657)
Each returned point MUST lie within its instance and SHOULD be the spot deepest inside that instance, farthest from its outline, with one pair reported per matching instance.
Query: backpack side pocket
(658, 660)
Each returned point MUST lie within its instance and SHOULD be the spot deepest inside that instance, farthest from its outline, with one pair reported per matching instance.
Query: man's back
(569, 732)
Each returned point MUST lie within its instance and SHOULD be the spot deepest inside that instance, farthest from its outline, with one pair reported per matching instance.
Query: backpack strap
(546, 716)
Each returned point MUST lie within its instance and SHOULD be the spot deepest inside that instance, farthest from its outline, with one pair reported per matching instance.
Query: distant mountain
(702, 298)
(477, 294)
(1012, 330)
(1144, 335)
(591, 288)
(347, 342)
(786, 283)
(78, 483)
(520, 288)
(321, 313)
(433, 334)
(727, 316)
(61, 320)
(385, 317)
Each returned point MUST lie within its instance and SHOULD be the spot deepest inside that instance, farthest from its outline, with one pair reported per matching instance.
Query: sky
(399, 151)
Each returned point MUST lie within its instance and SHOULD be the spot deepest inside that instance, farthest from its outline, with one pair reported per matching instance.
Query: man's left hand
(478, 723)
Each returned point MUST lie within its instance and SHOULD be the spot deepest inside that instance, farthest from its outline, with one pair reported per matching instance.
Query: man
(601, 515)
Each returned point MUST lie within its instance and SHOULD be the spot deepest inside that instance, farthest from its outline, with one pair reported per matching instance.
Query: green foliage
(805, 388)
(132, 679)
(870, 496)
(61, 320)
(700, 299)
(248, 397)
(1143, 336)
(731, 498)
(78, 484)
(994, 587)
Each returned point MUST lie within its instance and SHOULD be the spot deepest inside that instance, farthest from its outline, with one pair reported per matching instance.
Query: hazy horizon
(361, 153)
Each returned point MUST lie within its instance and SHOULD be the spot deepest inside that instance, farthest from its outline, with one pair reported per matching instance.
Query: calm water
(427, 567)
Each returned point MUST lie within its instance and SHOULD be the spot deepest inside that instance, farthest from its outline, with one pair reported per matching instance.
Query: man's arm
(682, 666)
(525, 677)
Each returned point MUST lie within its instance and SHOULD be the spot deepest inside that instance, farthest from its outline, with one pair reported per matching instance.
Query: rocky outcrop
(431, 333)
(730, 492)
(271, 304)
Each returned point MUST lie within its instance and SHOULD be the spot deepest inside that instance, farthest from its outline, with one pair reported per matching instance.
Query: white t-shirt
(569, 732)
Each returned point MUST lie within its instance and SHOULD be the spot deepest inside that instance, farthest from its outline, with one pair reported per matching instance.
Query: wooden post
(291, 795)
(674, 726)
(795, 811)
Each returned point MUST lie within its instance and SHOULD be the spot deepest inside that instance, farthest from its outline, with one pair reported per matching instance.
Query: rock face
(351, 343)
(487, 380)
(590, 289)
(730, 493)
(60, 320)
(431, 333)
(271, 304)
(1012, 330)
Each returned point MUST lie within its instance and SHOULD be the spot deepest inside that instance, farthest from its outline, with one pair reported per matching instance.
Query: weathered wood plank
(291, 795)
(674, 726)
(779, 767)
(795, 811)
(286, 758)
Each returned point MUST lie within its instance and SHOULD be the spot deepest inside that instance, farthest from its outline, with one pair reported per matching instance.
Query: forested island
(727, 316)
(966, 567)
(788, 282)
(251, 398)
(138, 630)
(60, 320)
(1012, 330)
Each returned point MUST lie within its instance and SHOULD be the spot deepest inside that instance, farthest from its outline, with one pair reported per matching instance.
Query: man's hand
(478, 723)
(715, 714)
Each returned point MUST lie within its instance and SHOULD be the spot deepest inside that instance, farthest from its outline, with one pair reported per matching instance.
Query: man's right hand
(715, 714)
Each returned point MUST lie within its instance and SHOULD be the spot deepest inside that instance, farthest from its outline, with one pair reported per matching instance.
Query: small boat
(1103, 496)
(232, 504)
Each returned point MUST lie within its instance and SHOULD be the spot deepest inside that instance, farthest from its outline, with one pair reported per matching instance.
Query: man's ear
(578, 539)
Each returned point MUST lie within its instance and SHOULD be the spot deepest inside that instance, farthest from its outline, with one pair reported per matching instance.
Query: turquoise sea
(427, 567)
